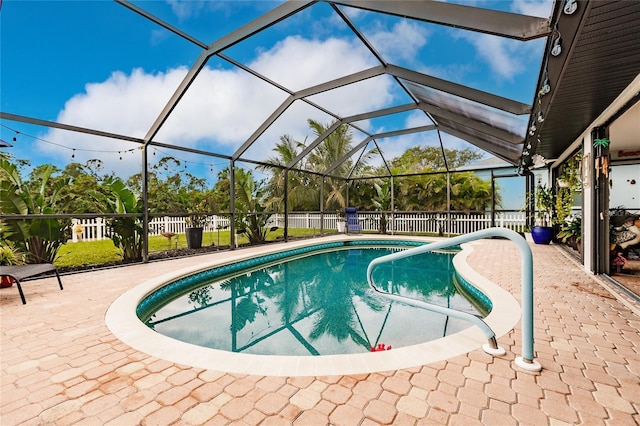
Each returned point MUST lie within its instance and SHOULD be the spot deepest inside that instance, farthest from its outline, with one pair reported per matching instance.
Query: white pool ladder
(526, 361)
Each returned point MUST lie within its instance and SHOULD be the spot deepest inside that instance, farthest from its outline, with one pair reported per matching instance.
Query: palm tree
(328, 153)
(304, 191)
(470, 193)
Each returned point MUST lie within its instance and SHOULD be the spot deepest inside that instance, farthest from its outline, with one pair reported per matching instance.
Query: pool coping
(122, 321)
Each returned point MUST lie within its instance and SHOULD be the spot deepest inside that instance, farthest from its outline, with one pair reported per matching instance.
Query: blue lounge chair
(353, 225)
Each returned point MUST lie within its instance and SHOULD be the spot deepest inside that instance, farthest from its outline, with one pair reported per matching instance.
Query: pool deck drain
(62, 365)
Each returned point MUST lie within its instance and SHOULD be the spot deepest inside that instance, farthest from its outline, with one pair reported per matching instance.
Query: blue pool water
(316, 304)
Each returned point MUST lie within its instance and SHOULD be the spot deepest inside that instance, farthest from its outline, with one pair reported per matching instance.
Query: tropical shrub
(125, 232)
(39, 238)
(250, 200)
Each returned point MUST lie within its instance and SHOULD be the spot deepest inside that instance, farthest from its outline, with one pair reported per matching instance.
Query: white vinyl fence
(453, 223)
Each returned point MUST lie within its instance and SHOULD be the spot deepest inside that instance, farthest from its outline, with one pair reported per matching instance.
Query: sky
(97, 64)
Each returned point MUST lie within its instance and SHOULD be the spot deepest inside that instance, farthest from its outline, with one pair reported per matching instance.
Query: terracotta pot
(6, 282)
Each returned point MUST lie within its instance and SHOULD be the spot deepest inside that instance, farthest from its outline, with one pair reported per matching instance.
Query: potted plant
(571, 231)
(195, 226)
(9, 255)
(542, 232)
(567, 185)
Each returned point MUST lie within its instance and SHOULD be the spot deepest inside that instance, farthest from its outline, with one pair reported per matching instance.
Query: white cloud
(185, 9)
(504, 56)
(298, 62)
(539, 8)
(403, 42)
(221, 109)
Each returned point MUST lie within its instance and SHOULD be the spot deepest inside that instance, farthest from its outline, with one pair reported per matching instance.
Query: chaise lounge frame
(20, 272)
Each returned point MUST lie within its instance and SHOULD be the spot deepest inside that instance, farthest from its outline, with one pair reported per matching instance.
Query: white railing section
(96, 229)
(435, 223)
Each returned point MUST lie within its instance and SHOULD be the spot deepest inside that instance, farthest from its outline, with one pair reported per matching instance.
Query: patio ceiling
(600, 57)
(489, 122)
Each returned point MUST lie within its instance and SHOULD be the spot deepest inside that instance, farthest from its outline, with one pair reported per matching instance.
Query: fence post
(74, 236)
(100, 229)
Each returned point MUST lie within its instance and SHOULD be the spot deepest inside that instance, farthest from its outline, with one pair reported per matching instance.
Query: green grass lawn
(86, 253)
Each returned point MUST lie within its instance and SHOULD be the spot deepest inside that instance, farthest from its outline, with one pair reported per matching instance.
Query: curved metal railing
(527, 361)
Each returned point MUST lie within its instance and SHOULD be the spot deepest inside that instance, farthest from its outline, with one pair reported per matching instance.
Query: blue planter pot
(542, 234)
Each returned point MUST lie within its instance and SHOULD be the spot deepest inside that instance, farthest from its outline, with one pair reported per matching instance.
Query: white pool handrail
(526, 361)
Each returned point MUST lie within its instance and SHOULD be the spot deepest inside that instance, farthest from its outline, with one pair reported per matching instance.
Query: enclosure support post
(286, 204)
(145, 204)
(232, 205)
(322, 207)
(493, 199)
(393, 209)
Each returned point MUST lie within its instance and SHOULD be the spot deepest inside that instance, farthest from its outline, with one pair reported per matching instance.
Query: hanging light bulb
(73, 155)
(546, 87)
(540, 117)
(529, 145)
(557, 46)
(570, 6)
(15, 137)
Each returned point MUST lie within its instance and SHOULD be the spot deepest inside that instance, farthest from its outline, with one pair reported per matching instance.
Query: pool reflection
(317, 305)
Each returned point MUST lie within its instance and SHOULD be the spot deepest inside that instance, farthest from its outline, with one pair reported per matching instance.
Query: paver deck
(61, 365)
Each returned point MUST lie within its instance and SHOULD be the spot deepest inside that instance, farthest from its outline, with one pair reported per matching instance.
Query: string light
(570, 6)
(557, 45)
(120, 152)
(181, 160)
(60, 145)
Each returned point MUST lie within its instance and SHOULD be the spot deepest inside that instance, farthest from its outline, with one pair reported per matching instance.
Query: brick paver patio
(61, 365)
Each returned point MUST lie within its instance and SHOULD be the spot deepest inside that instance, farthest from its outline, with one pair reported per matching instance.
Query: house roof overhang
(600, 58)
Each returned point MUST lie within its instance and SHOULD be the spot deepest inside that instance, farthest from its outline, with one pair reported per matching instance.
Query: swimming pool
(318, 303)
(123, 321)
